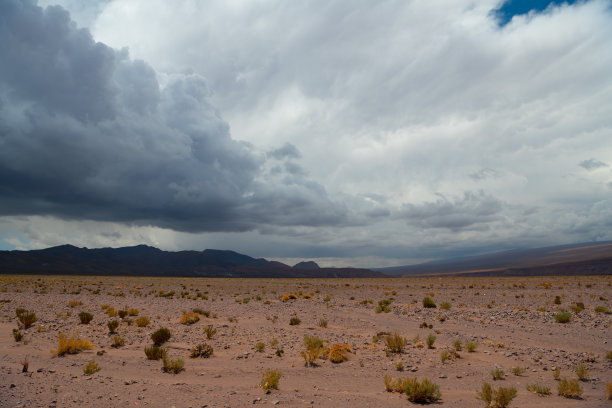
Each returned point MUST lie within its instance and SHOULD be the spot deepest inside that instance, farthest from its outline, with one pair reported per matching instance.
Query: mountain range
(143, 260)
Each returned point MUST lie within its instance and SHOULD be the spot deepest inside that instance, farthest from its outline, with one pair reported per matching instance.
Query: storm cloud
(88, 133)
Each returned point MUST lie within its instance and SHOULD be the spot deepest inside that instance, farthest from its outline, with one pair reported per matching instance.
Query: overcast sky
(363, 133)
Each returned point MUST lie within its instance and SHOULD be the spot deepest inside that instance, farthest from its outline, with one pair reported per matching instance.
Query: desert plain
(510, 322)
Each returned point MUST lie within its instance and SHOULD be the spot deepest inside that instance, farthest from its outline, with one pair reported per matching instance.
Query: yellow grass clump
(338, 352)
(190, 318)
(71, 345)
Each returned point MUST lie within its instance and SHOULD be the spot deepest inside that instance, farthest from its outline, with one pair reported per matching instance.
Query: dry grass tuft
(339, 353)
(71, 345)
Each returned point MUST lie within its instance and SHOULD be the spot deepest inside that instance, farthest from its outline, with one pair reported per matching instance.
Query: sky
(352, 133)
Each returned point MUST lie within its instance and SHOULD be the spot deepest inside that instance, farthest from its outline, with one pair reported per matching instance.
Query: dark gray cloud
(469, 211)
(88, 133)
(287, 151)
(592, 164)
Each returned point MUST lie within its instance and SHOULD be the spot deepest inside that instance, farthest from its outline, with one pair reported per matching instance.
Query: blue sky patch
(512, 8)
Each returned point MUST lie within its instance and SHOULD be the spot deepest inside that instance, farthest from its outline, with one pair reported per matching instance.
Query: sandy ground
(500, 314)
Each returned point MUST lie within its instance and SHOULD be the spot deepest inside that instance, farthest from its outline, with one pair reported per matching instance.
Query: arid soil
(511, 319)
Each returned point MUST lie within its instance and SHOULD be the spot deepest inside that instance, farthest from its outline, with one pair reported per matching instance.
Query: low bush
(112, 325)
(117, 342)
(71, 345)
(269, 380)
(395, 343)
(85, 317)
(202, 350)
(133, 312)
(154, 352)
(190, 318)
(428, 303)
(569, 388)
(496, 398)
(172, 366)
(26, 318)
(582, 371)
(210, 331)
(294, 321)
(160, 336)
(201, 312)
(91, 368)
(431, 339)
(142, 321)
(609, 391)
(322, 323)
(260, 346)
(497, 374)
(602, 309)
(17, 335)
(445, 305)
(471, 346)
(339, 353)
(518, 370)
(458, 345)
(563, 317)
(539, 389)
(314, 349)
(418, 392)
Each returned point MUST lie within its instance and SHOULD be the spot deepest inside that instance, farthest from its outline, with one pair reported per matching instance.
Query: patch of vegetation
(210, 331)
(315, 348)
(85, 317)
(496, 398)
(260, 347)
(497, 374)
(26, 318)
(518, 370)
(71, 345)
(202, 350)
(142, 321)
(190, 318)
(154, 352)
(91, 368)
(578, 307)
(563, 317)
(445, 305)
(269, 380)
(458, 345)
(112, 326)
(602, 309)
(160, 336)
(395, 343)
(582, 371)
(117, 342)
(201, 312)
(431, 339)
(322, 323)
(75, 303)
(418, 392)
(428, 303)
(569, 388)
(17, 335)
(339, 352)
(172, 366)
(539, 389)
(383, 306)
(294, 321)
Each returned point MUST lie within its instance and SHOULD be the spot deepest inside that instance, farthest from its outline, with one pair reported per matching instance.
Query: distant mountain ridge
(575, 259)
(143, 260)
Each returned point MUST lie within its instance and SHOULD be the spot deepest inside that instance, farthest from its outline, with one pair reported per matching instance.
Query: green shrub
(117, 342)
(210, 331)
(154, 352)
(112, 325)
(85, 317)
(428, 303)
(497, 374)
(142, 321)
(383, 306)
(458, 345)
(445, 305)
(202, 312)
(431, 339)
(322, 323)
(602, 309)
(260, 347)
(569, 388)
(314, 349)
(91, 367)
(161, 336)
(17, 335)
(518, 370)
(563, 317)
(269, 380)
(471, 346)
(26, 317)
(582, 371)
(496, 398)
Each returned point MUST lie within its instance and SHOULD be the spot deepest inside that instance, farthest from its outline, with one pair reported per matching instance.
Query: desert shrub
(602, 309)
(518, 370)
(399, 366)
(17, 335)
(71, 345)
(338, 353)
(172, 366)
(190, 318)
(133, 312)
(569, 388)
(85, 317)
(260, 346)
(609, 355)
(447, 355)
(25, 363)
(294, 321)
(445, 305)
(91, 367)
(142, 321)
(428, 303)
(201, 312)
(395, 343)
(389, 383)
(496, 398)
(288, 296)
(471, 346)
(556, 373)
(112, 325)
(609, 391)
(383, 306)
(117, 342)
(26, 318)
(582, 371)
(424, 325)
(423, 392)
(19, 311)
(578, 307)
(431, 339)
(210, 331)
(160, 336)
(557, 300)
(75, 303)
(314, 349)
(322, 323)
(497, 373)
(563, 317)
(458, 345)
(111, 312)
(154, 352)
(270, 380)
(122, 313)
(202, 350)
(539, 389)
